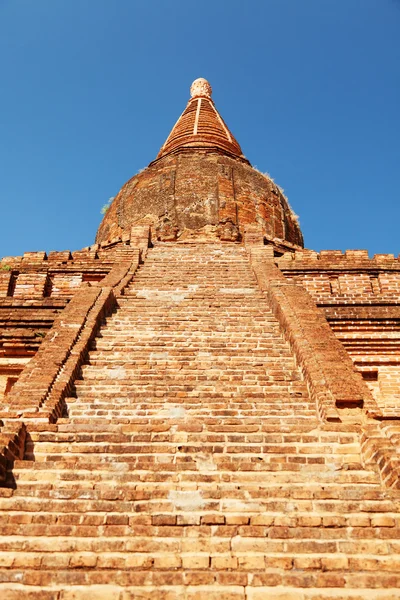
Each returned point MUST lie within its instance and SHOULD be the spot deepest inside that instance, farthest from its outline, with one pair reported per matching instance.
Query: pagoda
(196, 406)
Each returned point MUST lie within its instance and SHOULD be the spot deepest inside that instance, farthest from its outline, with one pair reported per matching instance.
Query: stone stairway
(192, 464)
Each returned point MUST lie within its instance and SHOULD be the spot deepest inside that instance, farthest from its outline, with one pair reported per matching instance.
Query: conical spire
(200, 125)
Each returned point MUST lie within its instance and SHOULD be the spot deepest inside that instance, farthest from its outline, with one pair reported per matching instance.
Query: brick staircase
(192, 464)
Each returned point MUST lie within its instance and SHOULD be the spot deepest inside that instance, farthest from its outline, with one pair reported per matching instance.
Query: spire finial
(200, 126)
(200, 87)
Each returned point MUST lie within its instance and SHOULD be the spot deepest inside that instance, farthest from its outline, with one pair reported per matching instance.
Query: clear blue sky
(91, 89)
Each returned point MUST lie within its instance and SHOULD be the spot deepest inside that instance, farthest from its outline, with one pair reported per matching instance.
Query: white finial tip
(200, 87)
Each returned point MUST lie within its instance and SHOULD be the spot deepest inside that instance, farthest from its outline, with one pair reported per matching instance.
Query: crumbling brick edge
(332, 380)
(39, 394)
(12, 445)
(328, 370)
(378, 445)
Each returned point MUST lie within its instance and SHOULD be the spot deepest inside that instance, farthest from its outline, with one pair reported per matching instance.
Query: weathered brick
(201, 425)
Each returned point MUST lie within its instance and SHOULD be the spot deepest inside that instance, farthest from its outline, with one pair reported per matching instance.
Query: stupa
(196, 406)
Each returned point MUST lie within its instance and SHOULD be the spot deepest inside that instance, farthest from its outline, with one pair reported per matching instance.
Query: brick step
(232, 396)
(162, 332)
(253, 357)
(164, 443)
(184, 462)
(198, 400)
(213, 401)
(175, 415)
(210, 485)
(251, 360)
(116, 377)
(184, 475)
(255, 362)
(193, 588)
(165, 497)
(164, 376)
(198, 285)
(157, 369)
(90, 391)
(184, 305)
(206, 547)
(233, 269)
(204, 315)
(158, 560)
(178, 274)
(174, 453)
(229, 264)
(42, 475)
(126, 417)
(197, 325)
(148, 397)
(187, 313)
(185, 379)
(230, 471)
(225, 471)
(225, 260)
(234, 272)
(183, 302)
(196, 404)
(194, 321)
(219, 289)
(167, 431)
(53, 484)
(149, 358)
(148, 407)
(199, 352)
(195, 287)
(192, 282)
(211, 321)
(197, 337)
(169, 497)
(177, 346)
(211, 561)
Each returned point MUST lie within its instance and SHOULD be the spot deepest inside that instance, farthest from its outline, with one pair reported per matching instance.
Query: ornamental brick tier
(195, 406)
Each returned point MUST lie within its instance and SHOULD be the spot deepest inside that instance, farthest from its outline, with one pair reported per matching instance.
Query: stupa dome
(201, 184)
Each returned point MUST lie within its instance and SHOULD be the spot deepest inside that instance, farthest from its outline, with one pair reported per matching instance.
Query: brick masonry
(196, 406)
(193, 194)
(194, 455)
(360, 299)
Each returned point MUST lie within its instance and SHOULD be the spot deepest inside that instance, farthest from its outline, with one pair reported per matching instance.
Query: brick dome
(200, 185)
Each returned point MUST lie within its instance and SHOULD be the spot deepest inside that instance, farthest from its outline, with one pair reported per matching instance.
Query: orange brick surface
(196, 407)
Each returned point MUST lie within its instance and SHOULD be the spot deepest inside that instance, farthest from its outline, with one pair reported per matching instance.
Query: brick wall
(36, 288)
(360, 297)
